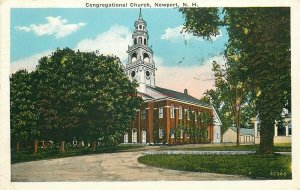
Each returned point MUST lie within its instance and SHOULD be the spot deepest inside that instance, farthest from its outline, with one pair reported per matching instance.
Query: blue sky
(36, 32)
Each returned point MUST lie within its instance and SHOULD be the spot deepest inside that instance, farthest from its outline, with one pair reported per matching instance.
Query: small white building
(246, 135)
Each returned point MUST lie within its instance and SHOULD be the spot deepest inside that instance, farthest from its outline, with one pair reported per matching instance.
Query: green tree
(259, 42)
(23, 115)
(85, 95)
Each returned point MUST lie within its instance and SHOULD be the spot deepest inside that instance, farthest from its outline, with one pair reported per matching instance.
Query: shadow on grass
(51, 153)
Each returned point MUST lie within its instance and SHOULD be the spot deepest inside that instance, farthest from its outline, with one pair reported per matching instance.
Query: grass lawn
(254, 166)
(229, 147)
(50, 153)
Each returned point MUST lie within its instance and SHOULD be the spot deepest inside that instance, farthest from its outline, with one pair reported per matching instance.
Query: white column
(286, 129)
(276, 130)
(255, 129)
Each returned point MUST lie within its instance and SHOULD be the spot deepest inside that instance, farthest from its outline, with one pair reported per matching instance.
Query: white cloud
(55, 26)
(177, 34)
(28, 63)
(197, 79)
(115, 41)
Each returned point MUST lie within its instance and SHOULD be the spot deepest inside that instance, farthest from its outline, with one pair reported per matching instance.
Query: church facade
(166, 116)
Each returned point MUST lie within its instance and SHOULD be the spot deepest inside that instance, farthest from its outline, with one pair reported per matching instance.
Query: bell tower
(140, 66)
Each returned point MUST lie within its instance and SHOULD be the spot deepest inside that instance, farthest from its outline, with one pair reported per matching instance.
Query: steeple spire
(140, 15)
(140, 66)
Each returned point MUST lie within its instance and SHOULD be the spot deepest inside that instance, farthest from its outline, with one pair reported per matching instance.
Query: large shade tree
(84, 95)
(23, 115)
(259, 42)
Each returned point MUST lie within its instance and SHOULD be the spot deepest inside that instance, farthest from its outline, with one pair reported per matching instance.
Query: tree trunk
(35, 147)
(266, 145)
(62, 147)
(238, 128)
(18, 146)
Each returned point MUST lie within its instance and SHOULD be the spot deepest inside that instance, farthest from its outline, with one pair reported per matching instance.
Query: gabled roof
(146, 96)
(179, 96)
(244, 131)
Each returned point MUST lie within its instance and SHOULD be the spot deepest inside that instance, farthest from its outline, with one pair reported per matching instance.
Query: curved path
(121, 166)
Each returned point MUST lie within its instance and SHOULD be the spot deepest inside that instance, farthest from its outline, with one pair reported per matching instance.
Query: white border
(230, 185)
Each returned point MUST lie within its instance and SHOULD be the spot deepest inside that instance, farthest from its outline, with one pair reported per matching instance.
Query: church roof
(179, 96)
(146, 96)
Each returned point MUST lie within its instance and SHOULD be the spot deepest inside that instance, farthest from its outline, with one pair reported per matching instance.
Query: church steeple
(140, 16)
(140, 66)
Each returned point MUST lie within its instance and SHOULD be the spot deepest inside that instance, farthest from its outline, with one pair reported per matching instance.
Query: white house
(246, 135)
(282, 131)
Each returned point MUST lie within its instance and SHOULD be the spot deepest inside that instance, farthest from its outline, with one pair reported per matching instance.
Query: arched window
(134, 135)
(140, 26)
(145, 41)
(135, 41)
(133, 57)
(140, 40)
(144, 135)
(126, 138)
(146, 58)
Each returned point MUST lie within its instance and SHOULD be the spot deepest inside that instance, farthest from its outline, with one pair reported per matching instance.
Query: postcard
(149, 94)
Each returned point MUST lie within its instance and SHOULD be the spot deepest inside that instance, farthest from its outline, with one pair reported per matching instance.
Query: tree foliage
(23, 115)
(257, 53)
(79, 94)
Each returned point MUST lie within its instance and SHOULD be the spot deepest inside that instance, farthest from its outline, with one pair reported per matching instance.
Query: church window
(161, 133)
(126, 138)
(133, 74)
(180, 112)
(144, 114)
(134, 135)
(133, 57)
(146, 57)
(147, 73)
(135, 41)
(172, 110)
(161, 112)
(140, 40)
(181, 133)
(172, 133)
(145, 41)
(140, 26)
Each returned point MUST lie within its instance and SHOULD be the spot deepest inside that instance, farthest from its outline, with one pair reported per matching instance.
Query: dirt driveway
(121, 166)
